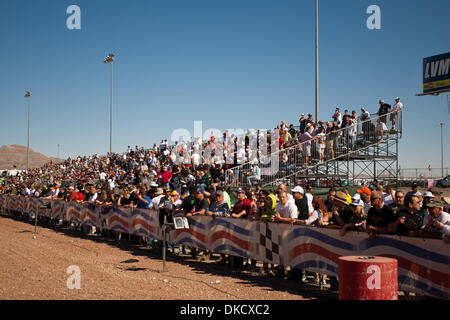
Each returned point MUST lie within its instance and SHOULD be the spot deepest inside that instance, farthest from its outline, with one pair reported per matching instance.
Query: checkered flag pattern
(269, 244)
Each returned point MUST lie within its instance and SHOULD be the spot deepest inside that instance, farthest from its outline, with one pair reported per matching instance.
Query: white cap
(356, 197)
(397, 98)
(298, 189)
(428, 194)
(358, 203)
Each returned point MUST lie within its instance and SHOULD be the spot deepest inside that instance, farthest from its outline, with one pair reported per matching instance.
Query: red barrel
(367, 278)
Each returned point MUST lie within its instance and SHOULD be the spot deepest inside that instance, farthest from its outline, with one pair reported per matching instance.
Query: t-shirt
(345, 214)
(302, 208)
(306, 137)
(155, 202)
(388, 199)
(413, 221)
(381, 217)
(242, 205)
(288, 210)
(384, 109)
(309, 198)
(165, 176)
(201, 204)
(397, 107)
(444, 218)
(188, 204)
(395, 207)
(219, 210)
(142, 205)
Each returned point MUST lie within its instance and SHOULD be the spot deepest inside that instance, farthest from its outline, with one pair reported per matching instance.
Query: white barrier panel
(423, 264)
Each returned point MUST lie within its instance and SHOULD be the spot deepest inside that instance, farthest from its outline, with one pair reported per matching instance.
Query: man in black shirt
(384, 109)
(409, 220)
(379, 216)
(201, 204)
(188, 202)
(398, 204)
(301, 203)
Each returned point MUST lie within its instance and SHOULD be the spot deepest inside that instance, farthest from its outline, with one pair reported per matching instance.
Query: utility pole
(442, 149)
(28, 95)
(317, 61)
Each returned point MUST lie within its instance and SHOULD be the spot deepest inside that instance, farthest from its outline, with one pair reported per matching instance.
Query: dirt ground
(35, 268)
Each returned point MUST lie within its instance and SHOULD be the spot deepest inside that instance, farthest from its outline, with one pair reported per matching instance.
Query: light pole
(109, 59)
(317, 61)
(28, 95)
(442, 150)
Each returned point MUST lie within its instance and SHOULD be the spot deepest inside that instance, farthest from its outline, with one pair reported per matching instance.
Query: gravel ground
(35, 268)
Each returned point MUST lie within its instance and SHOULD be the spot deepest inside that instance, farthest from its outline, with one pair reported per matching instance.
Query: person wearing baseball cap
(364, 190)
(357, 221)
(436, 222)
(219, 208)
(396, 108)
(300, 202)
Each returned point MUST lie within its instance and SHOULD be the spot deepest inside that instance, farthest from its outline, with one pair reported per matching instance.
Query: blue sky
(231, 64)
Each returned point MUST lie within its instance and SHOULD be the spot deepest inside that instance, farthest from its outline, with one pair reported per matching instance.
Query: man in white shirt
(102, 176)
(286, 211)
(256, 174)
(436, 221)
(398, 106)
(309, 197)
(159, 194)
(282, 188)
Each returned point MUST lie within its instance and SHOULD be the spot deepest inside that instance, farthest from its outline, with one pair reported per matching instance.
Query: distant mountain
(15, 155)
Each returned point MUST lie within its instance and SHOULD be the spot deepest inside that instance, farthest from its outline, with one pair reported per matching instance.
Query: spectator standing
(396, 108)
(383, 110)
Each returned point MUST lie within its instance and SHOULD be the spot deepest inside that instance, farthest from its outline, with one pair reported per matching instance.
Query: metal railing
(303, 156)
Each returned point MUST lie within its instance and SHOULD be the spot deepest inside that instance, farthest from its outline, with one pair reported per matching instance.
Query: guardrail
(307, 155)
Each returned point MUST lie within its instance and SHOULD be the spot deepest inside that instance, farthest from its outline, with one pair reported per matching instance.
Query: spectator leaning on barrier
(309, 198)
(243, 208)
(436, 223)
(357, 221)
(286, 211)
(329, 203)
(340, 211)
(379, 216)
(301, 203)
(219, 208)
(319, 210)
(398, 204)
(365, 194)
(408, 221)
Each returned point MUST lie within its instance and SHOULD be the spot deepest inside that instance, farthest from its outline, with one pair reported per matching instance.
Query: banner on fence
(423, 264)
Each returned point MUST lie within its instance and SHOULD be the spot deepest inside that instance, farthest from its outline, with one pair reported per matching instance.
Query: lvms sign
(436, 73)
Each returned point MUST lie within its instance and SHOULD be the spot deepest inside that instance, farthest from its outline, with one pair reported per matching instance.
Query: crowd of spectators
(150, 179)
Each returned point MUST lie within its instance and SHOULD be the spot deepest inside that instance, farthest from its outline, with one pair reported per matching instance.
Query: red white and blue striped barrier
(423, 264)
